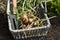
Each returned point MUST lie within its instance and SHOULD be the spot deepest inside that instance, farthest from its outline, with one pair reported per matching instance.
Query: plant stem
(23, 5)
(48, 18)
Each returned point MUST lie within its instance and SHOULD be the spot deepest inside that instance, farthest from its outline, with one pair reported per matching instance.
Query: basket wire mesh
(28, 33)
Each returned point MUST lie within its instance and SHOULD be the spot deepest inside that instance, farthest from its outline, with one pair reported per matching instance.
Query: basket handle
(8, 7)
(45, 7)
(14, 5)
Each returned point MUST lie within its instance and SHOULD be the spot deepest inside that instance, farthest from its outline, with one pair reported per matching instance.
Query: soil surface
(53, 34)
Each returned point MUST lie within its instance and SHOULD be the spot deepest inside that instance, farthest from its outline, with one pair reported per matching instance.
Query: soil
(5, 34)
(53, 34)
(54, 31)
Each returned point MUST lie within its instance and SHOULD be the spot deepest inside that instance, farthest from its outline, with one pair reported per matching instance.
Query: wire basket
(27, 33)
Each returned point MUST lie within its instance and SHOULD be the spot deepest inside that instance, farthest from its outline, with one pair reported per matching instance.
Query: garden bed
(53, 34)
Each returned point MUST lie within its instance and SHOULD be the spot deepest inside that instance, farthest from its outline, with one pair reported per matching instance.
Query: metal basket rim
(10, 27)
(19, 30)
